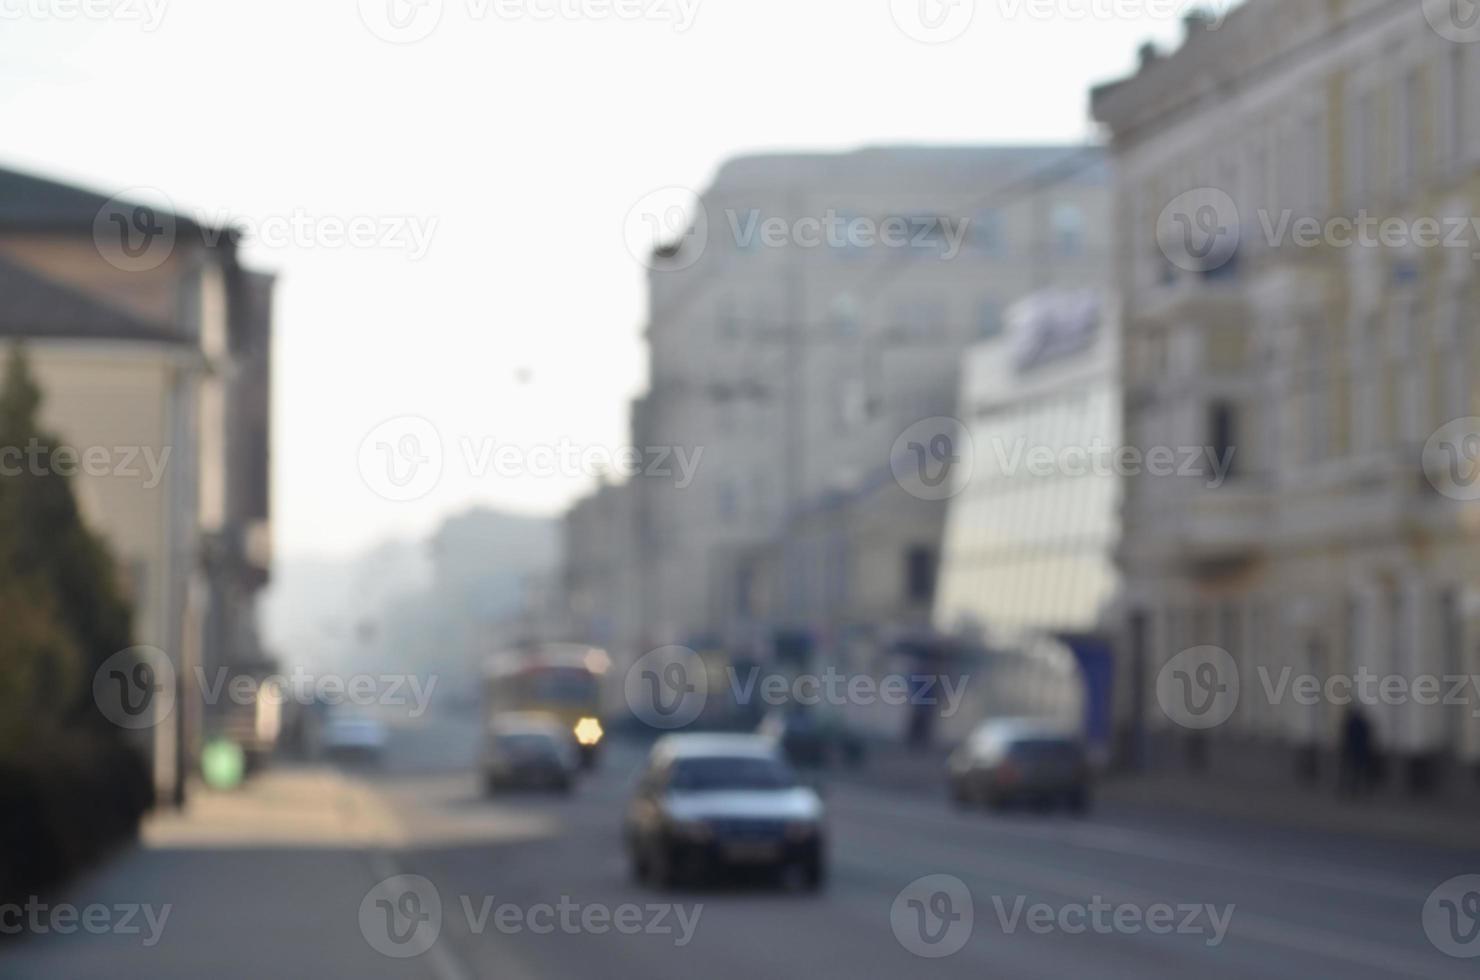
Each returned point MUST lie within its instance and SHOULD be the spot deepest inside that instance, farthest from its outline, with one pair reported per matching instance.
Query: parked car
(813, 738)
(355, 738)
(530, 752)
(1022, 761)
(710, 803)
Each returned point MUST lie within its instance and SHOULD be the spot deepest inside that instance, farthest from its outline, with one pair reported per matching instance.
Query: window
(919, 574)
(1067, 222)
(1223, 433)
(985, 233)
(989, 321)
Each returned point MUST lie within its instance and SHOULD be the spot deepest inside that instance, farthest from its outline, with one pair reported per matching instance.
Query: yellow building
(1298, 261)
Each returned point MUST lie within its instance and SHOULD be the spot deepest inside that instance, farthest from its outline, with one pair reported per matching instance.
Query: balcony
(1191, 522)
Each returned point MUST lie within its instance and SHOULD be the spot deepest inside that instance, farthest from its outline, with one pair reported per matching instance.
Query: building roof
(33, 203)
(37, 307)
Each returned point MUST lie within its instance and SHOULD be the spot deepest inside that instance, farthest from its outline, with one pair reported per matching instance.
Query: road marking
(444, 965)
(1257, 928)
(1119, 840)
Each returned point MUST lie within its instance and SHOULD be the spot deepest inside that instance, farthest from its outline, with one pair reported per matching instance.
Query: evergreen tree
(60, 600)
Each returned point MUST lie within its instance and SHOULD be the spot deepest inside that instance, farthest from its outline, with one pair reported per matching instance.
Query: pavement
(410, 871)
(1255, 798)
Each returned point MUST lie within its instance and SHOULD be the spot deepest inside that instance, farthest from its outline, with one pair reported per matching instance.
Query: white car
(352, 737)
(707, 803)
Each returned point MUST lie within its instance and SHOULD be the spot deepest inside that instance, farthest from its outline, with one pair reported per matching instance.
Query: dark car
(1011, 762)
(710, 803)
(528, 752)
(812, 738)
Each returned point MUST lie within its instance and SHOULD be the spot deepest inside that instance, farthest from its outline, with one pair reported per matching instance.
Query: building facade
(151, 343)
(821, 315)
(1259, 318)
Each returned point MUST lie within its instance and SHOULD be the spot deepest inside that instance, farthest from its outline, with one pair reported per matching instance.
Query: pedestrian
(1357, 757)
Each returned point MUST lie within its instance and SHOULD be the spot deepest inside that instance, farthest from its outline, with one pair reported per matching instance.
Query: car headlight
(693, 830)
(801, 830)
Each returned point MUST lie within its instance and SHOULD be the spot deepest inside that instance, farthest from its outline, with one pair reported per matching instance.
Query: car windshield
(716, 773)
(526, 742)
(1049, 751)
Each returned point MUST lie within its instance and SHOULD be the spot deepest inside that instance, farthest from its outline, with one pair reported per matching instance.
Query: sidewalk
(1217, 796)
(267, 881)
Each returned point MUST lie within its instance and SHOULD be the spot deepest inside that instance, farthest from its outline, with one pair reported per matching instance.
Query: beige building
(823, 313)
(1261, 317)
(151, 345)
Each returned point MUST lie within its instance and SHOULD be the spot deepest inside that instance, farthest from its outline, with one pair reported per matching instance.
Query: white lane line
(440, 958)
(1257, 928)
(1128, 842)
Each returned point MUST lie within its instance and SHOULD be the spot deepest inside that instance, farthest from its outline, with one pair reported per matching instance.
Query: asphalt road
(537, 887)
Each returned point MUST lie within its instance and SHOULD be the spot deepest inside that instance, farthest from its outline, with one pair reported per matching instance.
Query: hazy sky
(490, 167)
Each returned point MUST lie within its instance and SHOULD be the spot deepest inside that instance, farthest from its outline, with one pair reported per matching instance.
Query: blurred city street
(270, 882)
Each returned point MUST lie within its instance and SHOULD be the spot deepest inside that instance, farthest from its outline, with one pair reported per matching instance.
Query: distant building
(1327, 365)
(796, 361)
(152, 345)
